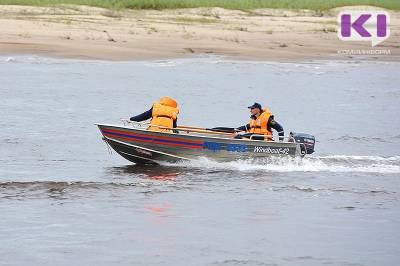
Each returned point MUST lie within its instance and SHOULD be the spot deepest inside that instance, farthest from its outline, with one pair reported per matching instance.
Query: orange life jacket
(163, 116)
(260, 124)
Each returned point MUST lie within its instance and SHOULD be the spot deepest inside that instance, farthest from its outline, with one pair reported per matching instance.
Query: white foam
(362, 158)
(171, 63)
(369, 164)
(9, 59)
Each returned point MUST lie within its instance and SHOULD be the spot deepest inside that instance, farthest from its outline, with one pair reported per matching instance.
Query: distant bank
(87, 32)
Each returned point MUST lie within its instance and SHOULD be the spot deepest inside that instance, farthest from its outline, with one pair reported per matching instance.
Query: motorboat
(141, 146)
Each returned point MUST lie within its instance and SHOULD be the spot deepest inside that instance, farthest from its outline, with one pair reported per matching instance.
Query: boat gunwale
(196, 136)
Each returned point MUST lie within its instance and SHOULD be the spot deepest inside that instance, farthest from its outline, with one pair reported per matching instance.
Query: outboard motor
(307, 139)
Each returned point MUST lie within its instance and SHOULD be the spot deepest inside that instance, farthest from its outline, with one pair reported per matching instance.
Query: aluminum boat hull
(142, 146)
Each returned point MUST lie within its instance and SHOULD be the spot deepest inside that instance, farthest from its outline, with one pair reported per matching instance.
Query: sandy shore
(95, 33)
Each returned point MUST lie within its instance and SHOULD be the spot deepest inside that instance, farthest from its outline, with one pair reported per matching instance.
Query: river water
(65, 200)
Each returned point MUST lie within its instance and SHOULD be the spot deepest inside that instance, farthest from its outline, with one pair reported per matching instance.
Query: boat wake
(333, 163)
(187, 175)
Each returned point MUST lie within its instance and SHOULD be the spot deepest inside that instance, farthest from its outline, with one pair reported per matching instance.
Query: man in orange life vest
(261, 123)
(163, 114)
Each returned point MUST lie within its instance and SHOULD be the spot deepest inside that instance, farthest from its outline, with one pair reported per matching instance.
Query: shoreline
(172, 61)
(31, 57)
(81, 32)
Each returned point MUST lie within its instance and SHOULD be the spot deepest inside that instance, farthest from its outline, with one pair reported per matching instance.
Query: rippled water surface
(65, 200)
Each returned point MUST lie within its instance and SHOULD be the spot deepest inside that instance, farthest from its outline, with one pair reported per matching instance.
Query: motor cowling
(306, 139)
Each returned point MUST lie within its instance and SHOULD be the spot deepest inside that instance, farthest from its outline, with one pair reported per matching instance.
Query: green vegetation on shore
(229, 4)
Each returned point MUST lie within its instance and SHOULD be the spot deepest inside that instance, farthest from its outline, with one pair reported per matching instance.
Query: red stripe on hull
(155, 141)
(155, 137)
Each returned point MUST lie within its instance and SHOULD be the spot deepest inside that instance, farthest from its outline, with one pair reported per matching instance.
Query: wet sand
(96, 33)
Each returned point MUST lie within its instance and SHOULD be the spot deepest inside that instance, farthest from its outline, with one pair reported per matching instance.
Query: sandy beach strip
(267, 34)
